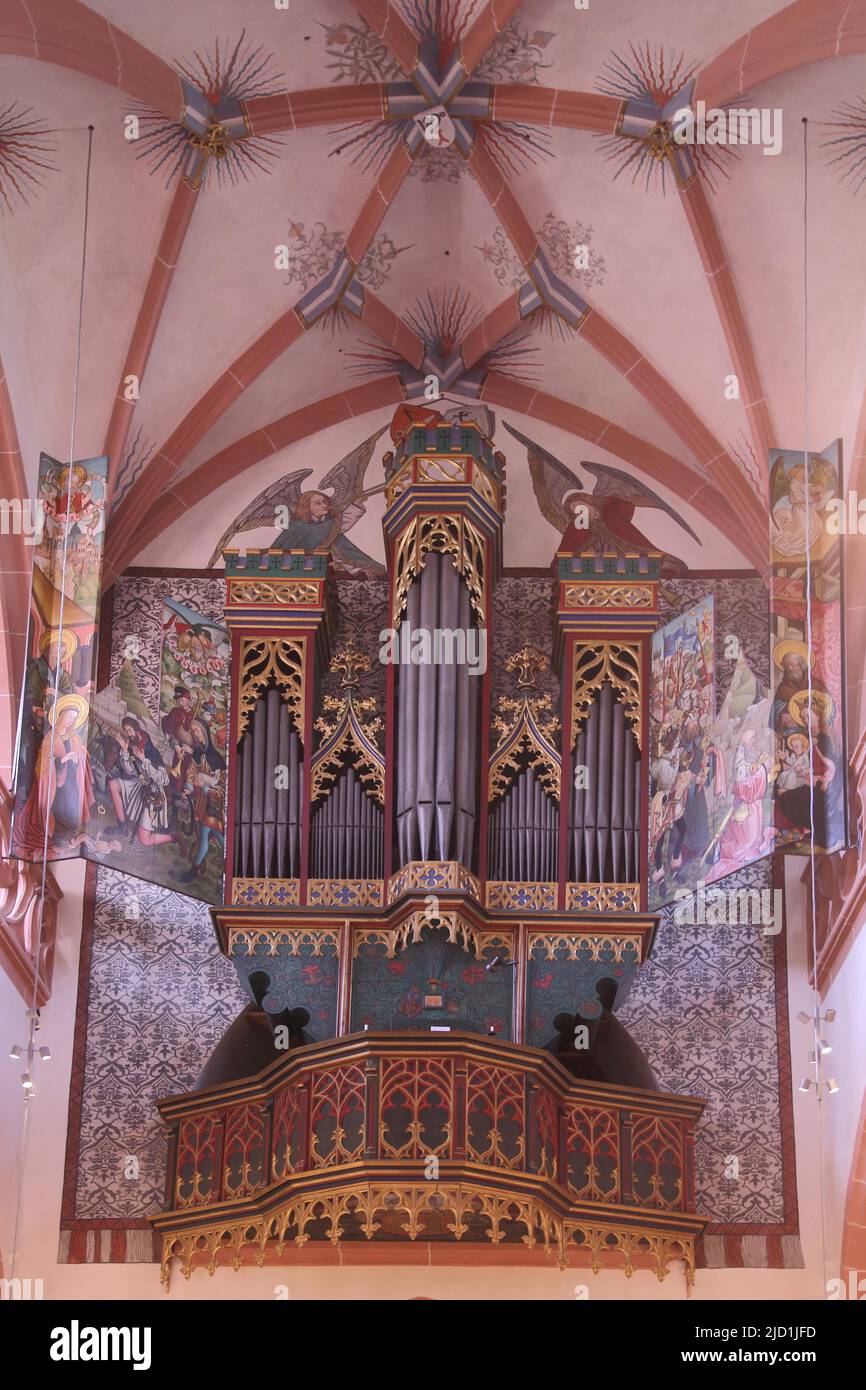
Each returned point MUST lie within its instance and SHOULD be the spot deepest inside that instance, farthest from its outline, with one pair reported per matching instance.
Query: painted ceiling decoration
(212, 135)
(26, 154)
(434, 600)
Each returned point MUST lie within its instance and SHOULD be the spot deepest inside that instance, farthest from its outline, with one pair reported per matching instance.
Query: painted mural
(807, 713)
(684, 763)
(601, 520)
(745, 772)
(54, 792)
(159, 767)
(313, 520)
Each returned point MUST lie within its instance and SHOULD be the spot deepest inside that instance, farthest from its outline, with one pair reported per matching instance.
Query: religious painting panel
(808, 712)
(158, 752)
(683, 761)
(54, 785)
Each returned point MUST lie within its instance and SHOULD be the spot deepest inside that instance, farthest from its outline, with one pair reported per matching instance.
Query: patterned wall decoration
(522, 617)
(709, 1009)
(155, 997)
(362, 614)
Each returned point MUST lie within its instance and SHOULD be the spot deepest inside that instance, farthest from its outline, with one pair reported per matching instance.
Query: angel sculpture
(609, 510)
(315, 520)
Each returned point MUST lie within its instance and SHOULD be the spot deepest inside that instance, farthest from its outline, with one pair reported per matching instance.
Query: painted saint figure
(46, 678)
(745, 836)
(61, 797)
(137, 789)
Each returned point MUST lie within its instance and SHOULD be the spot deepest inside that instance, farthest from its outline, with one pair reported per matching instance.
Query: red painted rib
(71, 35)
(147, 322)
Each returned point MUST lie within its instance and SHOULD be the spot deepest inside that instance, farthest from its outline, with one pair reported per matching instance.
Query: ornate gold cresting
(281, 659)
(602, 897)
(281, 941)
(446, 535)
(460, 933)
(617, 662)
(350, 730)
(525, 725)
(410, 1208)
(608, 595)
(250, 591)
(623, 949)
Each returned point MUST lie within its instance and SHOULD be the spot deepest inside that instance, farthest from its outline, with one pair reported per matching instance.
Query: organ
(435, 899)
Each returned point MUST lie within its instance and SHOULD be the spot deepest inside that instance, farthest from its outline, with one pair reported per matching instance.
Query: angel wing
(613, 482)
(479, 415)
(347, 480)
(551, 482)
(261, 511)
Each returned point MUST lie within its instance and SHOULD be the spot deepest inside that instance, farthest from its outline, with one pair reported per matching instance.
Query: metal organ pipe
(605, 816)
(347, 828)
(524, 832)
(437, 727)
(267, 816)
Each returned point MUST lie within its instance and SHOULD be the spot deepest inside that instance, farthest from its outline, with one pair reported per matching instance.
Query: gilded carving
(607, 596)
(617, 662)
(602, 897)
(266, 892)
(446, 535)
(252, 591)
(281, 659)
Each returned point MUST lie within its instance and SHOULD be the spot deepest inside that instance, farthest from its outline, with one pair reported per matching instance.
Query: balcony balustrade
(379, 1139)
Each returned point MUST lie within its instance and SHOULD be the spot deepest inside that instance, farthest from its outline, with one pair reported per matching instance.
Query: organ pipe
(604, 833)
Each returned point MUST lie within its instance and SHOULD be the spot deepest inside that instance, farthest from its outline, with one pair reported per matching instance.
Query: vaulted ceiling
(405, 258)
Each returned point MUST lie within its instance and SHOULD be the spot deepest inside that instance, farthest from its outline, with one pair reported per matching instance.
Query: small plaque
(433, 1001)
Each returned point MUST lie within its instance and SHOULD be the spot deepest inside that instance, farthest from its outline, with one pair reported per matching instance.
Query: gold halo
(791, 644)
(70, 702)
(68, 642)
(822, 700)
(79, 474)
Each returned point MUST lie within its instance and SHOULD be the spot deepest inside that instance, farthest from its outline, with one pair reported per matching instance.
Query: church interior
(433, 729)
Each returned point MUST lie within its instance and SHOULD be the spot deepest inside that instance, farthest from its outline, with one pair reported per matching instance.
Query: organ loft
(436, 902)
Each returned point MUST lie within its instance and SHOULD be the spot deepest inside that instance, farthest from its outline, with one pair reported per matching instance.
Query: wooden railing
(394, 1137)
